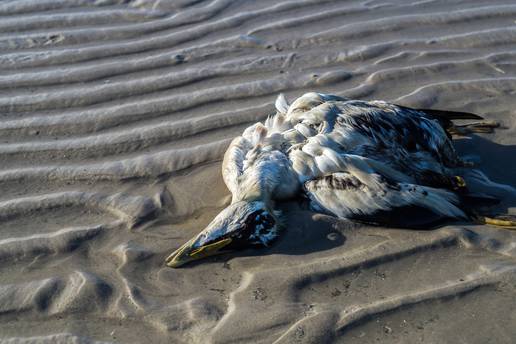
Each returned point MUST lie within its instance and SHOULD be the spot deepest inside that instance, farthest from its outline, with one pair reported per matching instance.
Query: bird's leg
(475, 127)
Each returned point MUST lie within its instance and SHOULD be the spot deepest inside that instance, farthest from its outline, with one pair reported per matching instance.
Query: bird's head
(239, 226)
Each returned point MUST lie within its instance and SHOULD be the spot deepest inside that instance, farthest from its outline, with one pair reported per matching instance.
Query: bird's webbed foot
(504, 221)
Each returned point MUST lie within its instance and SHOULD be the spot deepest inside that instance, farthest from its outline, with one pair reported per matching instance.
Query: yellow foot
(505, 221)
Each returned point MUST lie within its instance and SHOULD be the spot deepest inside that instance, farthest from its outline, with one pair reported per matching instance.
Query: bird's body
(350, 158)
(369, 161)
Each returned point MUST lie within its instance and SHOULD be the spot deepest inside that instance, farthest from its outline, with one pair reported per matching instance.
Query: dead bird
(367, 161)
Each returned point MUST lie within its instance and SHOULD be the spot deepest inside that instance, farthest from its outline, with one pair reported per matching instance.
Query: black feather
(450, 115)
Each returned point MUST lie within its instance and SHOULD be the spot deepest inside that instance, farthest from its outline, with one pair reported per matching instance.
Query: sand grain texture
(114, 116)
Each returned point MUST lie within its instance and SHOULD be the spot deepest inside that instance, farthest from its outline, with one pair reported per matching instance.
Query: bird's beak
(188, 253)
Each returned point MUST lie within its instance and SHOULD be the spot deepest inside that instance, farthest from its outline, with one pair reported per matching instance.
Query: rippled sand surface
(114, 116)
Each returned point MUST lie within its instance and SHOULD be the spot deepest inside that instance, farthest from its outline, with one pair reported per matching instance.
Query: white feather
(281, 104)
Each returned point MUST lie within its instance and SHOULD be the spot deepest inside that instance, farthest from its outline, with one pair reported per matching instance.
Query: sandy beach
(115, 115)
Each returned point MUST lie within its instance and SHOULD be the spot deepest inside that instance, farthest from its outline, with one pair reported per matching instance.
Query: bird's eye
(202, 236)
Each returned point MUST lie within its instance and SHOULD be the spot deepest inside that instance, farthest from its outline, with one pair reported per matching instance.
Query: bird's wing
(375, 123)
(387, 124)
(372, 198)
(401, 138)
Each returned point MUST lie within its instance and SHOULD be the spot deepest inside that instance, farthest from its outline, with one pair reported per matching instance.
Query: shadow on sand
(498, 163)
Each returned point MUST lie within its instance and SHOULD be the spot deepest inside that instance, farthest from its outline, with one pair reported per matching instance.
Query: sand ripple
(114, 116)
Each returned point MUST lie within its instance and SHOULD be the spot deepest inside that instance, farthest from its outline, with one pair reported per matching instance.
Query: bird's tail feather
(450, 115)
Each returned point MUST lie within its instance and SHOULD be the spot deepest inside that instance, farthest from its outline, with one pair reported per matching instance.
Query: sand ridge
(114, 116)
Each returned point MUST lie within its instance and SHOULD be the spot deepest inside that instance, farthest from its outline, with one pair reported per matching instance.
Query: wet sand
(114, 116)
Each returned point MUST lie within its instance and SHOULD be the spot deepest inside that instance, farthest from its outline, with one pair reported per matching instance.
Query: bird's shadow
(307, 232)
(497, 161)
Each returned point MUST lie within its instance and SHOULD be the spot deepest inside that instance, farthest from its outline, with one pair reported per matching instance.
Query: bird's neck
(257, 183)
(254, 189)
(267, 177)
